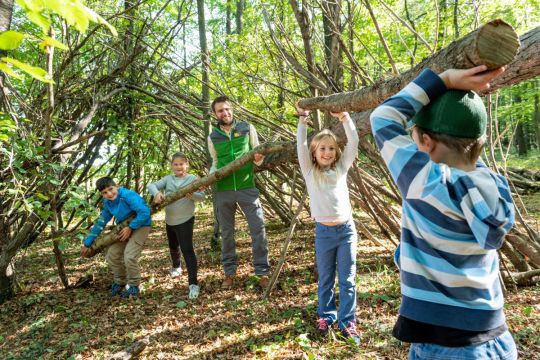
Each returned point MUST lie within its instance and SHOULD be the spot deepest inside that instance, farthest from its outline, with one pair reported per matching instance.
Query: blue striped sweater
(453, 222)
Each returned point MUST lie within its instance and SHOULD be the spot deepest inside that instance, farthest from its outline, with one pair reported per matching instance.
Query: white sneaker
(175, 272)
(193, 291)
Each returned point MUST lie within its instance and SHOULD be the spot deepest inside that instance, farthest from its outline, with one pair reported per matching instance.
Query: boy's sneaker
(175, 272)
(323, 327)
(193, 291)
(116, 289)
(350, 332)
(131, 291)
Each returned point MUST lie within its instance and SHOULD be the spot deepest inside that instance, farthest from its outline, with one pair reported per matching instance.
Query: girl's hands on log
(342, 116)
(302, 113)
(158, 199)
(476, 78)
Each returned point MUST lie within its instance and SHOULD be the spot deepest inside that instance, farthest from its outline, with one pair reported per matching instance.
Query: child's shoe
(323, 327)
(350, 332)
(116, 289)
(193, 291)
(175, 272)
(131, 291)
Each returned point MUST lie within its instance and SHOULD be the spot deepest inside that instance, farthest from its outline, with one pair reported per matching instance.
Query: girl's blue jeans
(501, 348)
(335, 249)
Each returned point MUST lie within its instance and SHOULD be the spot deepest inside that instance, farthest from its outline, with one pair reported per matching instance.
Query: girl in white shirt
(324, 167)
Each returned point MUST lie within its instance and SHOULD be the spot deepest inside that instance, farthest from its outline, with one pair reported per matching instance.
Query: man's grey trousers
(248, 200)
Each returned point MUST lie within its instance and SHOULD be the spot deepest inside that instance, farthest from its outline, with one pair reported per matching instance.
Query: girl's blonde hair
(315, 142)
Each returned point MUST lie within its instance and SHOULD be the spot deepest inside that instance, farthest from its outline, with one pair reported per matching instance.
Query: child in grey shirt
(179, 218)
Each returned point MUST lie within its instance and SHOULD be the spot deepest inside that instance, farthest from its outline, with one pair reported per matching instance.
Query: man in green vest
(228, 141)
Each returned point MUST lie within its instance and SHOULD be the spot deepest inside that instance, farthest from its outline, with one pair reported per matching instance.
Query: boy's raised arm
(476, 78)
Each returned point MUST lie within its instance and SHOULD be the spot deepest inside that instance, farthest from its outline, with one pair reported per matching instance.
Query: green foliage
(41, 13)
(8, 127)
(10, 40)
(35, 72)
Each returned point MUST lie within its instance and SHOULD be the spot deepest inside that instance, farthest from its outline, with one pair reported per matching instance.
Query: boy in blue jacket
(122, 256)
(456, 212)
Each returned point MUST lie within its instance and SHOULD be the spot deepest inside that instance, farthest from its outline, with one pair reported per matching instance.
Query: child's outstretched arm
(96, 230)
(304, 159)
(476, 78)
(154, 190)
(351, 149)
(388, 120)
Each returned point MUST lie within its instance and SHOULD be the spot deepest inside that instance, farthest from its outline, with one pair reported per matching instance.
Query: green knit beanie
(456, 113)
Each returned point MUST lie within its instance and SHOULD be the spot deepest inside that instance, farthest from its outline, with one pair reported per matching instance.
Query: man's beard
(222, 122)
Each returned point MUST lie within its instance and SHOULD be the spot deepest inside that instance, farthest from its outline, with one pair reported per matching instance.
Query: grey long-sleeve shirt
(183, 209)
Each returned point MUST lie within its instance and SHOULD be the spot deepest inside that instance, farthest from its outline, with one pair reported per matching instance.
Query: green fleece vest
(230, 147)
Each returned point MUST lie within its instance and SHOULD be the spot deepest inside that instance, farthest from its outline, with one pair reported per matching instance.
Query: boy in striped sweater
(456, 212)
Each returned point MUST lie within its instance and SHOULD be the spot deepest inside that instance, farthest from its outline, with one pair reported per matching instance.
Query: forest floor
(46, 321)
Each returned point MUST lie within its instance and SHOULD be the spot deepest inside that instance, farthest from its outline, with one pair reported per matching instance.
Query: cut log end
(497, 44)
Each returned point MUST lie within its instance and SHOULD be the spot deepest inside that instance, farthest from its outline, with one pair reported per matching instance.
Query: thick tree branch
(494, 44)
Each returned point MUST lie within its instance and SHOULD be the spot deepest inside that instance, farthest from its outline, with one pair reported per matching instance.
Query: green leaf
(30, 5)
(10, 40)
(111, 28)
(36, 72)
(9, 71)
(181, 304)
(48, 41)
(40, 20)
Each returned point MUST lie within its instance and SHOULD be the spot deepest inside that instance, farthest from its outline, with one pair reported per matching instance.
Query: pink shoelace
(323, 325)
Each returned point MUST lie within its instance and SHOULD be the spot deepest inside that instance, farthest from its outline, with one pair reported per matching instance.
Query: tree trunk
(205, 94)
(239, 12)
(7, 276)
(6, 11)
(521, 142)
(332, 49)
(537, 120)
(228, 30)
(494, 44)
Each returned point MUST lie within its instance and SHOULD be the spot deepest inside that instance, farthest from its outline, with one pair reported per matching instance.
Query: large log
(525, 66)
(104, 240)
(494, 44)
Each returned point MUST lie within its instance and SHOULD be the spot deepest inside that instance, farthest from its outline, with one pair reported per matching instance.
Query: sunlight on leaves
(10, 40)
(36, 72)
(48, 41)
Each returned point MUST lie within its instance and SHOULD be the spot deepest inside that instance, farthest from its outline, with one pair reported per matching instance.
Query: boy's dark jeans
(181, 240)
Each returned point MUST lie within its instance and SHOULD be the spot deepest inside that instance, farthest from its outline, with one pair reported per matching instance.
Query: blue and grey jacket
(453, 222)
(127, 202)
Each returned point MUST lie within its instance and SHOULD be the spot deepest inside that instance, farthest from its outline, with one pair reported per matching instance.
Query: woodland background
(86, 95)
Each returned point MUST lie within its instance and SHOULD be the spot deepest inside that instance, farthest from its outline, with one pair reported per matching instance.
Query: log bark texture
(495, 44)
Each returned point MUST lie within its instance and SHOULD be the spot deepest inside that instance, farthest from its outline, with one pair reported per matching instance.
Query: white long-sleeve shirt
(253, 141)
(329, 201)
